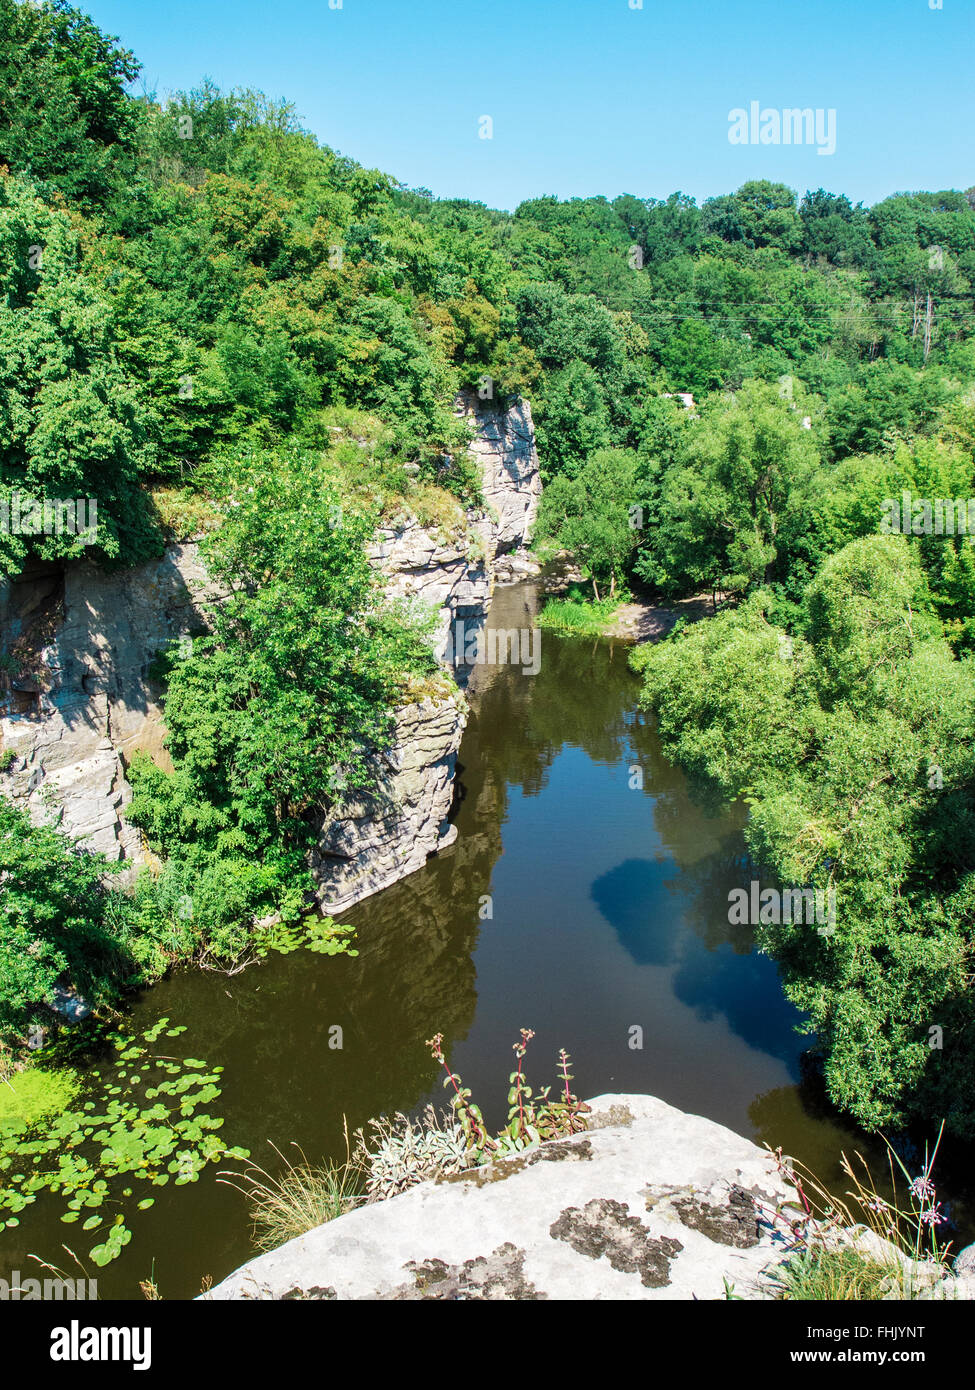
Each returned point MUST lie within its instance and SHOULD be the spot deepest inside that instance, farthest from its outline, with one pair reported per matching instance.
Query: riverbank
(638, 620)
(573, 612)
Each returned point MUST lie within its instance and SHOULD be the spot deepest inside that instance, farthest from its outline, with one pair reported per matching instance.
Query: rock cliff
(71, 727)
(648, 1204)
(372, 843)
(505, 449)
(68, 729)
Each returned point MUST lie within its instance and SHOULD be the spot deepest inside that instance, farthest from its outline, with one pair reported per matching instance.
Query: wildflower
(933, 1216)
(878, 1205)
(922, 1188)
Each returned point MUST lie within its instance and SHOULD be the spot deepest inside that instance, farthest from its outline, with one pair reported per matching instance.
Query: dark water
(609, 913)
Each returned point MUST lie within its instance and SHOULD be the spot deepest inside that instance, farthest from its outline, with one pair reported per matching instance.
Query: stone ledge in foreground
(649, 1203)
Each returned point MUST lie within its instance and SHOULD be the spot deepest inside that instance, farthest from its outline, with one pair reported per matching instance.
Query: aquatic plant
(319, 934)
(27, 1097)
(143, 1124)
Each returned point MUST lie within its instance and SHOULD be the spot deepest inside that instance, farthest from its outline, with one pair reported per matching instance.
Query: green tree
(723, 501)
(592, 515)
(56, 924)
(274, 716)
(65, 116)
(75, 424)
(852, 740)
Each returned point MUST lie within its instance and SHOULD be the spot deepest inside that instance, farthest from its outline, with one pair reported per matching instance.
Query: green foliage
(65, 116)
(719, 506)
(591, 515)
(201, 304)
(903, 1255)
(56, 924)
(578, 616)
(140, 1122)
(297, 1201)
(852, 740)
(76, 425)
(29, 1097)
(322, 936)
(274, 715)
(820, 1274)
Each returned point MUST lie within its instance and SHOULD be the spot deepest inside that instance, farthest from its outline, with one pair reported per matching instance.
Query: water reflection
(608, 910)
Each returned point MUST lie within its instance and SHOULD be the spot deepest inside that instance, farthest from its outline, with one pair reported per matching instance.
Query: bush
(276, 713)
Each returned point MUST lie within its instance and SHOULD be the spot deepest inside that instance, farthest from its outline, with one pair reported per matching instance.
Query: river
(585, 898)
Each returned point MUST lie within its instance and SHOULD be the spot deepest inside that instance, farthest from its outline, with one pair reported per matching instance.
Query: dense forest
(211, 323)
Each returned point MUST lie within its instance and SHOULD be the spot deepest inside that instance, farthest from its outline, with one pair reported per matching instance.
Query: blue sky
(589, 96)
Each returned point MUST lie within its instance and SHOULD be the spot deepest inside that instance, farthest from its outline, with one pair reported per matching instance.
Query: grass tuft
(819, 1274)
(578, 616)
(296, 1201)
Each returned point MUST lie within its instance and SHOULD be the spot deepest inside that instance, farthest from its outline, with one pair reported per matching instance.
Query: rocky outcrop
(648, 1204)
(452, 576)
(68, 729)
(508, 458)
(379, 839)
(91, 704)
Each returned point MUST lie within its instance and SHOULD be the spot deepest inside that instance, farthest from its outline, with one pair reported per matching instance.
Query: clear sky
(589, 96)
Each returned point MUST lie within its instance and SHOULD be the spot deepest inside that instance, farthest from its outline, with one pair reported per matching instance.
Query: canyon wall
(371, 843)
(70, 724)
(70, 727)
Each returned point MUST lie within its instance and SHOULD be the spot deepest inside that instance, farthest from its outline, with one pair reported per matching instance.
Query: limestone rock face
(95, 704)
(650, 1203)
(453, 576)
(508, 458)
(369, 845)
(387, 835)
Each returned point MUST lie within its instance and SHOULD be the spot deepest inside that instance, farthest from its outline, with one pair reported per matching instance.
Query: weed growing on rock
(531, 1118)
(838, 1246)
(297, 1200)
(401, 1152)
(817, 1273)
